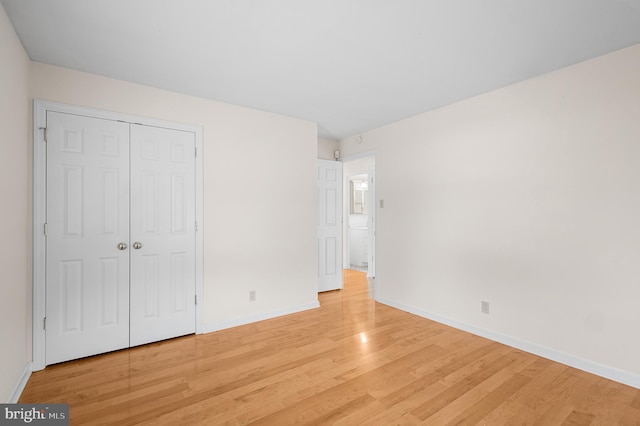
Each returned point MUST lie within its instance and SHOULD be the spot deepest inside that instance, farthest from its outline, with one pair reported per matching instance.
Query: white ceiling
(349, 65)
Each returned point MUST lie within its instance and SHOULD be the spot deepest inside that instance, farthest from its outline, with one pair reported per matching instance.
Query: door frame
(40, 108)
(373, 217)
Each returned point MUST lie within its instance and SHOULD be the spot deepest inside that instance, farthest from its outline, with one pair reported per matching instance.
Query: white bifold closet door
(120, 235)
(162, 234)
(87, 277)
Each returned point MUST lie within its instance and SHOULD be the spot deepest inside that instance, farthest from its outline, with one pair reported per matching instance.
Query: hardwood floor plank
(630, 417)
(361, 415)
(475, 399)
(555, 415)
(484, 371)
(351, 362)
(636, 401)
(607, 408)
(577, 418)
(489, 402)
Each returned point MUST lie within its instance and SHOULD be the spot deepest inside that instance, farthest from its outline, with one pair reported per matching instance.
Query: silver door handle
(137, 245)
(122, 246)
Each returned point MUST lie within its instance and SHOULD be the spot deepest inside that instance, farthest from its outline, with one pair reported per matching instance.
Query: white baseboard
(605, 371)
(22, 382)
(209, 328)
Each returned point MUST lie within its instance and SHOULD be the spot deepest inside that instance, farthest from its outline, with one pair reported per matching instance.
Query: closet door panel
(87, 274)
(162, 234)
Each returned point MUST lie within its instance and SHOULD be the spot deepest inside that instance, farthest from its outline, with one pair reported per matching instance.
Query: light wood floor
(351, 362)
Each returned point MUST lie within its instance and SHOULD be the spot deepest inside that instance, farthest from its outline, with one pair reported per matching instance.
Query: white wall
(527, 197)
(358, 166)
(15, 214)
(326, 148)
(259, 192)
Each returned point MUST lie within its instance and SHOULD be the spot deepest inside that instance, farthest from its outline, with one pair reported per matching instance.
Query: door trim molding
(40, 108)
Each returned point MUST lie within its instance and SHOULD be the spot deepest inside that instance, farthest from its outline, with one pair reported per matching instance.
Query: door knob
(137, 245)
(122, 246)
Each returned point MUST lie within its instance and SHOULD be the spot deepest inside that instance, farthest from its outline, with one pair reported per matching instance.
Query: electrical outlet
(252, 295)
(484, 307)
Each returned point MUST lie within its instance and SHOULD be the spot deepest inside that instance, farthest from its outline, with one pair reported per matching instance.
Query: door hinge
(196, 151)
(46, 229)
(44, 323)
(196, 224)
(196, 299)
(44, 131)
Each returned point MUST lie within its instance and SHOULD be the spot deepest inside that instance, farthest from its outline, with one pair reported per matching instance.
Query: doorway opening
(359, 214)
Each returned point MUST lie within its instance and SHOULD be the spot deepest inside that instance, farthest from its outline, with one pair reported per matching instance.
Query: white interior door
(329, 225)
(162, 234)
(87, 267)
